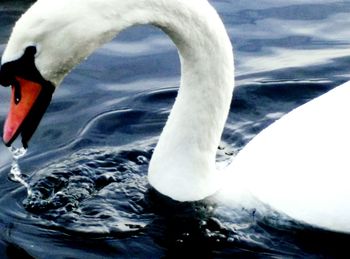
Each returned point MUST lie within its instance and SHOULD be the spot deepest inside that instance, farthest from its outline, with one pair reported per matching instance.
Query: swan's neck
(183, 163)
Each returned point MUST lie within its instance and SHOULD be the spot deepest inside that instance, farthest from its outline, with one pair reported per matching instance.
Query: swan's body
(300, 165)
(183, 164)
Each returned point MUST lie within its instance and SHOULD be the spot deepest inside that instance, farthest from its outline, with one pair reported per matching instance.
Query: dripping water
(15, 173)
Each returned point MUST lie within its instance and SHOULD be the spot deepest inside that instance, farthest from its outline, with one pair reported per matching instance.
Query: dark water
(87, 162)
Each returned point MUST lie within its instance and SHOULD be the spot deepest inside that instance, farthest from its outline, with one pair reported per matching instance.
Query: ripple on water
(103, 192)
(96, 191)
(100, 197)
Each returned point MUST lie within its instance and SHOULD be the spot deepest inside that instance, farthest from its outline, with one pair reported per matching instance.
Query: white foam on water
(15, 172)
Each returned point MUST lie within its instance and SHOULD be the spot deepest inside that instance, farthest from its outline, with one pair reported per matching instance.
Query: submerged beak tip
(9, 134)
(8, 138)
(6, 141)
(24, 144)
(5, 138)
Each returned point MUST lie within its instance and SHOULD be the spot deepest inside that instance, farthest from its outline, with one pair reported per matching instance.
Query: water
(15, 172)
(86, 165)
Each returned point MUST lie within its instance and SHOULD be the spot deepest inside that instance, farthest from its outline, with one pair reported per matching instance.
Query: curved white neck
(183, 163)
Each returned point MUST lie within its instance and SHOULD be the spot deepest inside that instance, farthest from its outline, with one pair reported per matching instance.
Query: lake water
(87, 162)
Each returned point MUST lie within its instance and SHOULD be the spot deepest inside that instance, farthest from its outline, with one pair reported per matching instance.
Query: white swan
(298, 165)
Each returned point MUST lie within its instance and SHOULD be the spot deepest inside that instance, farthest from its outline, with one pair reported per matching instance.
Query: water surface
(87, 162)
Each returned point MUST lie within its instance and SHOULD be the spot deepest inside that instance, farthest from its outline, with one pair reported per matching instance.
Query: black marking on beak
(25, 68)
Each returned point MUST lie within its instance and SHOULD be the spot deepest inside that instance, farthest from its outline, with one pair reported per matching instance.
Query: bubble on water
(17, 153)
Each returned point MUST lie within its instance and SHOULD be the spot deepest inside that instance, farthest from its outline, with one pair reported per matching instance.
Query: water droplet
(231, 239)
(17, 152)
(15, 172)
(141, 159)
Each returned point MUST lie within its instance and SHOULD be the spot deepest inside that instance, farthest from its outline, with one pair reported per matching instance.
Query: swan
(298, 166)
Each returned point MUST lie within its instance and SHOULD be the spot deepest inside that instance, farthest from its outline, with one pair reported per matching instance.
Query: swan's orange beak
(25, 111)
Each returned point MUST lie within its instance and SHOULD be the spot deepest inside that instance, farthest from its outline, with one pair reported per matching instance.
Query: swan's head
(46, 43)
